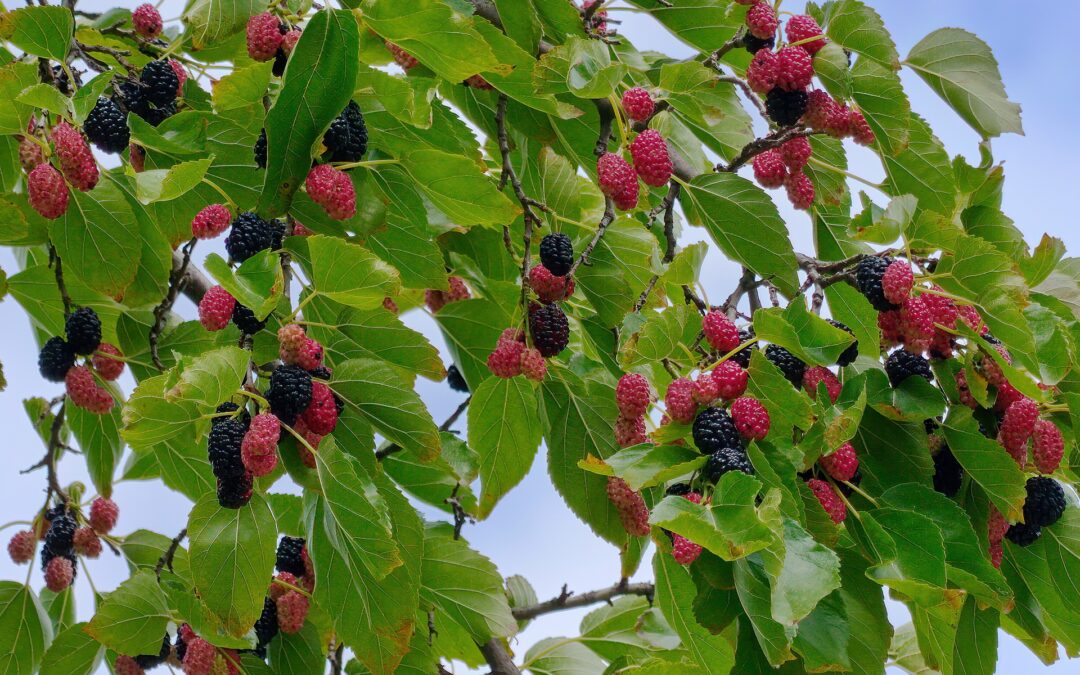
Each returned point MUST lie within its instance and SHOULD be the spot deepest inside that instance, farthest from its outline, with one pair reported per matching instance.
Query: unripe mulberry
(47, 192)
(103, 515)
(106, 126)
(720, 332)
(181, 75)
(321, 415)
(803, 27)
(796, 153)
(333, 190)
(263, 36)
(147, 21)
(505, 359)
(794, 69)
(59, 574)
(21, 547)
(211, 221)
(549, 328)
(533, 365)
(652, 162)
(125, 665)
(800, 190)
(679, 400)
(897, 281)
(1048, 446)
(997, 552)
(259, 447)
(638, 104)
(761, 73)
(750, 418)
(730, 380)
(769, 169)
(86, 393)
(820, 109)
(618, 180)
(1006, 396)
(830, 501)
(216, 308)
(1016, 428)
(56, 359)
(841, 463)
(859, 129)
(631, 507)
(76, 161)
(761, 20)
(996, 525)
(630, 431)
(683, 550)
(401, 57)
(30, 154)
(916, 324)
(86, 543)
(821, 375)
(705, 389)
(108, 362)
(292, 609)
(633, 395)
(548, 287)
(199, 657)
(289, 40)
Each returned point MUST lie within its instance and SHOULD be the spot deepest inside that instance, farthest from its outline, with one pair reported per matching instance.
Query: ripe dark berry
(1045, 501)
(948, 474)
(902, 364)
(347, 137)
(289, 393)
(260, 150)
(1023, 534)
(148, 661)
(223, 447)
(290, 557)
(754, 44)
(235, 491)
(56, 359)
(549, 328)
(455, 379)
(848, 356)
(83, 329)
(557, 253)
(724, 460)
(249, 235)
(106, 126)
(159, 83)
(790, 365)
(742, 357)
(714, 430)
(245, 320)
(868, 278)
(786, 107)
(61, 534)
(266, 628)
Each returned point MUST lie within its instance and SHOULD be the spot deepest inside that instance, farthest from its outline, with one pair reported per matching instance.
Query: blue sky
(532, 533)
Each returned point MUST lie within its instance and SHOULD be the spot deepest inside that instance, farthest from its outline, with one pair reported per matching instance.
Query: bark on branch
(570, 600)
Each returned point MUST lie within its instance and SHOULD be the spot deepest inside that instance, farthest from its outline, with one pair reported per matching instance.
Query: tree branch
(570, 600)
(756, 147)
(195, 284)
(161, 312)
(497, 656)
(166, 558)
(58, 272)
(667, 206)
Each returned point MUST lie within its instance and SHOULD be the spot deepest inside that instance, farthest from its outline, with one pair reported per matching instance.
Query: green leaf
(963, 71)
(578, 420)
(864, 605)
(853, 25)
(210, 378)
(730, 526)
(236, 550)
(752, 586)
(892, 452)
(558, 656)
(804, 334)
(162, 185)
(674, 595)
(744, 223)
(208, 22)
(923, 169)
(590, 72)
(376, 390)
(315, 88)
(801, 573)
(348, 273)
(41, 31)
(256, 284)
(464, 586)
(975, 651)
(471, 328)
(403, 238)
(354, 507)
(620, 261)
(459, 188)
(986, 462)
(46, 97)
(25, 631)
(440, 38)
(647, 465)
(149, 419)
(99, 439)
(379, 333)
(98, 238)
(14, 78)
(242, 87)
(303, 652)
(375, 618)
(503, 430)
(880, 96)
(73, 652)
(132, 618)
(518, 84)
(909, 551)
(703, 24)
(848, 306)
(788, 407)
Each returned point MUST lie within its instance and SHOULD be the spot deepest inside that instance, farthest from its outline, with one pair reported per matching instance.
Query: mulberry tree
(893, 411)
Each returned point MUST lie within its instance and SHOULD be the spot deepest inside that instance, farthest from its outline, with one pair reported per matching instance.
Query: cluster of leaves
(778, 585)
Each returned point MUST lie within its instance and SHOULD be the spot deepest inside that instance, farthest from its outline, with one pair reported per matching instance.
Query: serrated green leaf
(25, 631)
(132, 618)
(98, 239)
(674, 593)
(46, 97)
(505, 433)
(457, 186)
(209, 22)
(73, 652)
(162, 185)
(855, 26)
(256, 284)
(647, 465)
(41, 31)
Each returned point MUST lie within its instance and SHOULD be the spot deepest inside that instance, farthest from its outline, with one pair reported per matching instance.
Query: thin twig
(736, 41)
(667, 206)
(756, 147)
(117, 54)
(166, 559)
(569, 600)
(54, 445)
(747, 91)
(161, 312)
(58, 272)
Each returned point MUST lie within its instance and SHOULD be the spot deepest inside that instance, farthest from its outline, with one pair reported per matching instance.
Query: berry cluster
(198, 656)
(218, 307)
(633, 396)
(271, 38)
(457, 291)
(57, 362)
(512, 357)
(784, 167)
(618, 178)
